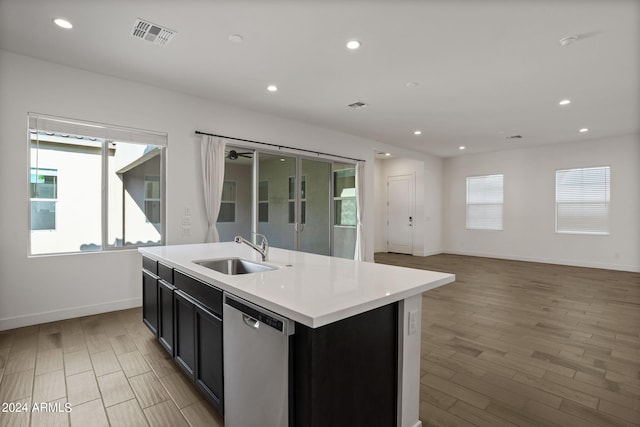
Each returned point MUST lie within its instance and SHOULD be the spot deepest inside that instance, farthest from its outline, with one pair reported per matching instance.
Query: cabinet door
(165, 315)
(150, 301)
(184, 321)
(209, 355)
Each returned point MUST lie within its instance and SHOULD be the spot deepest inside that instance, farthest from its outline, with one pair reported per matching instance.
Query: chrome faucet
(263, 249)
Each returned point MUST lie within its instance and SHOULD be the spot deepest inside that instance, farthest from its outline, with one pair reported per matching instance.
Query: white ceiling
(487, 69)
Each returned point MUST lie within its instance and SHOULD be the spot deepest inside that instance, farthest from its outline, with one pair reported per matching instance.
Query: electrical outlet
(413, 322)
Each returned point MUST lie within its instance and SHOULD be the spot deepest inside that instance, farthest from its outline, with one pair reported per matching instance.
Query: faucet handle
(265, 242)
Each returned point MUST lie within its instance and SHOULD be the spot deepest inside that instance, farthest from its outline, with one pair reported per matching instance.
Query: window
(228, 202)
(292, 199)
(44, 191)
(484, 202)
(152, 198)
(344, 195)
(582, 200)
(263, 201)
(93, 187)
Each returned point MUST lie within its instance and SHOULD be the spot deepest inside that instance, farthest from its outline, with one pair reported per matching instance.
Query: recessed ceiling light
(272, 88)
(583, 130)
(353, 44)
(462, 147)
(565, 102)
(566, 41)
(236, 38)
(63, 23)
(387, 154)
(417, 132)
(413, 84)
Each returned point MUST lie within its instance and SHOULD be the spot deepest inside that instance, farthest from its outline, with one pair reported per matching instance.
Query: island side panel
(346, 373)
(409, 341)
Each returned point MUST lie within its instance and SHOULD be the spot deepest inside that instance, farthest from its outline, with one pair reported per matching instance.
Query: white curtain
(212, 153)
(359, 252)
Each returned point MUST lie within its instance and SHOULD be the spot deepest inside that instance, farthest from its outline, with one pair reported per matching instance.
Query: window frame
(233, 202)
(607, 202)
(468, 204)
(151, 199)
(263, 202)
(343, 198)
(32, 199)
(292, 202)
(106, 134)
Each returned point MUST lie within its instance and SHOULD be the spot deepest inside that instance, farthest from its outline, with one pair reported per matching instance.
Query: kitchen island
(354, 349)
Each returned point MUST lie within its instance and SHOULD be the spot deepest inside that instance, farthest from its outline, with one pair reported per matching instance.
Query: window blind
(582, 200)
(484, 202)
(63, 126)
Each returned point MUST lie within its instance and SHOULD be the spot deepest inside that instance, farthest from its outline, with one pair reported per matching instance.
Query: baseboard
(569, 262)
(382, 249)
(67, 313)
(415, 253)
(430, 253)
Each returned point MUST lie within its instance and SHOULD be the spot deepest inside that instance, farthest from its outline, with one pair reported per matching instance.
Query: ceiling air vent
(151, 32)
(357, 105)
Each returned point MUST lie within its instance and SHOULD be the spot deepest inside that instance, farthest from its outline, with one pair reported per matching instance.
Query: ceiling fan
(233, 155)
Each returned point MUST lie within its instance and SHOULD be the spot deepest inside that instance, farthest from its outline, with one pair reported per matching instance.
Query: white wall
(39, 289)
(427, 238)
(529, 205)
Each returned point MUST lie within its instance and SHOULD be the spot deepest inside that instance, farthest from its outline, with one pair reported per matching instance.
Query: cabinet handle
(250, 321)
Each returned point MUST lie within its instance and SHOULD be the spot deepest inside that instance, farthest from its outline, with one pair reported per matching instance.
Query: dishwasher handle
(250, 321)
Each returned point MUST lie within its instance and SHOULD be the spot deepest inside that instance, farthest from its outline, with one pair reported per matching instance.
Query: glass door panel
(344, 200)
(276, 208)
(315, 206)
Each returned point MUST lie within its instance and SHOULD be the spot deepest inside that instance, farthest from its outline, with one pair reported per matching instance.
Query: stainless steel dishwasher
(256, 365)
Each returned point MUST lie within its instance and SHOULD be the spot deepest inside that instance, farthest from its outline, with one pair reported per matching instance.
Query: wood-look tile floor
(109, 369)
(509, 343)
(517, 343)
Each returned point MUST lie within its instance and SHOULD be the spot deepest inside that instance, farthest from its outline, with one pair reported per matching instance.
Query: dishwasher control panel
(257, 313)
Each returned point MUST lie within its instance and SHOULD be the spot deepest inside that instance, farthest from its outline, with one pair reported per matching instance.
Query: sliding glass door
(297, 202)
(314, 233)
(276, 202)
(294, 202)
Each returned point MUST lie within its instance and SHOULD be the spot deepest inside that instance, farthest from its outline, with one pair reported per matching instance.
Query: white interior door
(400, 213)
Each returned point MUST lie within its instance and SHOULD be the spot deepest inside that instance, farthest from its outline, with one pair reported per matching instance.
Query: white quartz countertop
(314, 290)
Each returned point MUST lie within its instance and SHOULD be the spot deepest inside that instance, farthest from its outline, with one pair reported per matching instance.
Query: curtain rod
(280, 146)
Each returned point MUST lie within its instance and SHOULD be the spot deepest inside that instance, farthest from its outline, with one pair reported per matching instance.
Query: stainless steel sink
(234, 266)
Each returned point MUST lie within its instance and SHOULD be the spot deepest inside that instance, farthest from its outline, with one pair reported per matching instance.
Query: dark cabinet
(345, 373)
(165, 315)
(150, 300)
(184, 315)
(198, 335)
(157, 301)
(208, 339)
